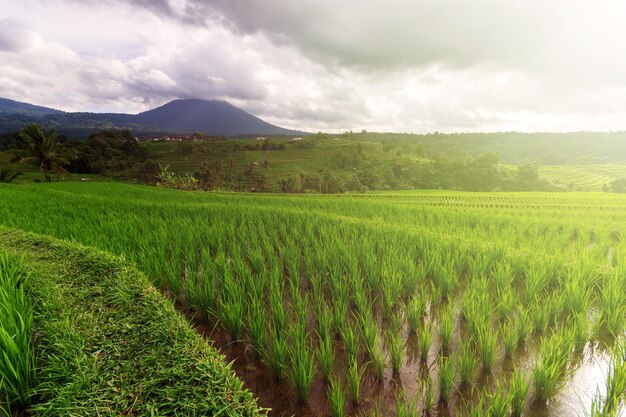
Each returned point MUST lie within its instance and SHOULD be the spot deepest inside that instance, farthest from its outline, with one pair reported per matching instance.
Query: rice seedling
(325, 356)
(350, 342)
(256, 325)
(613, 306)
(405, 408)
(395, 322)
(415, 310)
(324, 320)
(277, 354)
(355, 376)
(378, 360)
(551, 368)
(510, 338)
(609, 405)
(428, 401)
(336, 398)
(446, 376)
(518, 391)
(579, 325)
(301, 370)
(467, 364)
(17, 361)
(524, 324)
(230, 309)
(499, 403)
(396, 351)
(371, 338)
(425, 341)
(446, 327)
(486, 340)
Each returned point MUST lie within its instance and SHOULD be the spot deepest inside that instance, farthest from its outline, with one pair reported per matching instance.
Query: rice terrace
(312, 208)
(405, 303)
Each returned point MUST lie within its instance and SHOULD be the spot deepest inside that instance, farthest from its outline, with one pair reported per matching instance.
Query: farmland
(394, 303)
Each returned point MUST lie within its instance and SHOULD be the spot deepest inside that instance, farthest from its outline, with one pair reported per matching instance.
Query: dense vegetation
(101, 340)
(472, 304)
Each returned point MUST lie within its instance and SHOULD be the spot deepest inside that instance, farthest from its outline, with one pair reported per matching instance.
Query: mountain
(16, 107)
(177, 117)
(217, 117)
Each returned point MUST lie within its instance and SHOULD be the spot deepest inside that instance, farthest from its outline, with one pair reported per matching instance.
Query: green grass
(17, 362)
(106, 337)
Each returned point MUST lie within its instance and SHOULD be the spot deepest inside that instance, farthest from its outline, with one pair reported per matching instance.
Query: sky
(381, 65)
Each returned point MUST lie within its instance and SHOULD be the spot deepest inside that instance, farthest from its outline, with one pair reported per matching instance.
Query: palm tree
(8, 175)
(43, 150)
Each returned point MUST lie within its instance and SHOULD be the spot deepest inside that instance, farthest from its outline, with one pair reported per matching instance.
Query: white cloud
(401, 65)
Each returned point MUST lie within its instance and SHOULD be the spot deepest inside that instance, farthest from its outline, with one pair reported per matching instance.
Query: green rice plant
(230, 310)
(425, 341)
(301, 369)
(324, 319)
(510, 338)
(446, 279)
(256, 325)
(486, 340)
(325, 356)
(428, 401)
(277, 307)
(340, 315)
(378, 360)
(524, 324)
(518, 391)
(396, 351)
(610, 404)
(613, 306)
(502, 276)
(551, 368)
(336, 398)
(506, 301)
(415, 310)
(579, 325)
(17, 361)
(355, 376)
(201, 296)
(406, 408)
(541, 316)
(350, 342)
(395, 322)
(446, 327)
(277, 354)
(467, 364)
(499, 403)
(576, 295)
(371, 338)
(446, 376)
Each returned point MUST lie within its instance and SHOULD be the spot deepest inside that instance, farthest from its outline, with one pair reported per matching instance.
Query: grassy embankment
(107, 343)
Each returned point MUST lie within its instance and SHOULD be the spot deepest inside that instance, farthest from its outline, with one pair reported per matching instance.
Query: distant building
(260, 138)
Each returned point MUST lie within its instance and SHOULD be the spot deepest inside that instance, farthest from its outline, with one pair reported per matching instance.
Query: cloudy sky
(384, 65)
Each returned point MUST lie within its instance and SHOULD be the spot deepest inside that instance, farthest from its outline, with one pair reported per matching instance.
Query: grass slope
(110, 344)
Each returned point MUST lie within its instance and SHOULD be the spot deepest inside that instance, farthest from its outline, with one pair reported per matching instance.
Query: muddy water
(589, 369)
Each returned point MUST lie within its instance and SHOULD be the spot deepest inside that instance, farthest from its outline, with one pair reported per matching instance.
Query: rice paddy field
(403, 304)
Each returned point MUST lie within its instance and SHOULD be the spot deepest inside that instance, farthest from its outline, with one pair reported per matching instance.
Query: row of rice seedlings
(17, 360)
(552, 366)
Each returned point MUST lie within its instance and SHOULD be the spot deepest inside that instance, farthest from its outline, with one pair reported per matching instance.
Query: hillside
(213, 117)
(15, 107)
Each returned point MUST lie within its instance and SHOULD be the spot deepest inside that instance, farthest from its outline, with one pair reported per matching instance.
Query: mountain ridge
(181, 116)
